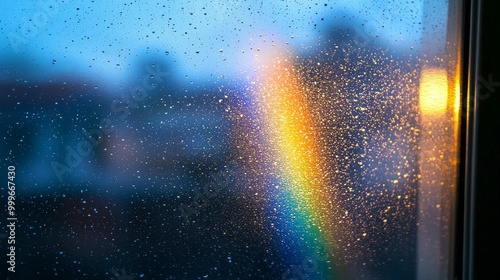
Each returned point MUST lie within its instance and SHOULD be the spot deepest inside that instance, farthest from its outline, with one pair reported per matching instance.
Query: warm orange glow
(456, 105)
(433, 92)
(457, 101)
(439, 103)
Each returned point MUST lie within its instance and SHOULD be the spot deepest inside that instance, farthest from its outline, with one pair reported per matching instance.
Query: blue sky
(204, 40)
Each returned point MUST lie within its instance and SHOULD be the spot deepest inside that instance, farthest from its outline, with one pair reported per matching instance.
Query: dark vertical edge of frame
(464, 258)
(459, 260)
(487, 162)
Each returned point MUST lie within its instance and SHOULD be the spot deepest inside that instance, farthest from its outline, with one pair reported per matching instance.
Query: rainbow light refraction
(299, 170)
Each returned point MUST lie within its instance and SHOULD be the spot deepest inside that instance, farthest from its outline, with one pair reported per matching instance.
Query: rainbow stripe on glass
(301, 200)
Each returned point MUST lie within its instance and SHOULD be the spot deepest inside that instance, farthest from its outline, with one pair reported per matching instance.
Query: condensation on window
(232, 139)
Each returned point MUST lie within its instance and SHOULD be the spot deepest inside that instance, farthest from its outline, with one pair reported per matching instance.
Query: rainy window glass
(229, 139)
